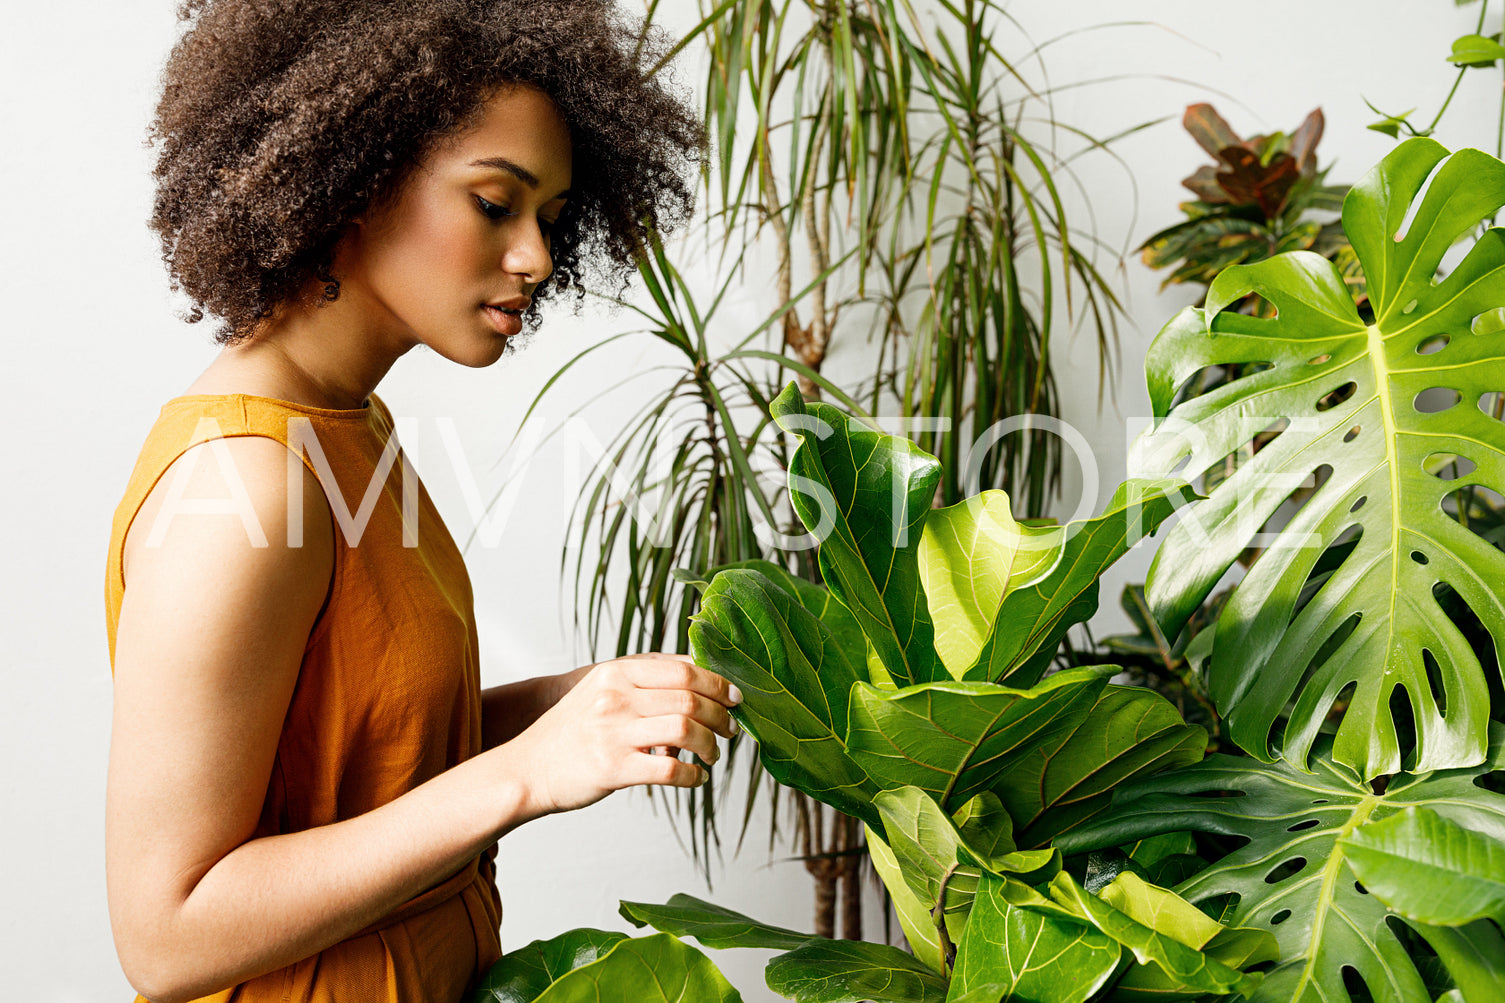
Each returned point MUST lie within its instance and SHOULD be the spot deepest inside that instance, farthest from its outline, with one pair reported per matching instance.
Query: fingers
(677, 732)
(658, 671)
(656, 703)
(646, 769)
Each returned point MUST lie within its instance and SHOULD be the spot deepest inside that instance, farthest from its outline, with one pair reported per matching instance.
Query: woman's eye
(491, 209)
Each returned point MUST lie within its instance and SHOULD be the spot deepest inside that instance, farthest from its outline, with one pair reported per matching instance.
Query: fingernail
(736, 728)
(734, 693)
(705, 775)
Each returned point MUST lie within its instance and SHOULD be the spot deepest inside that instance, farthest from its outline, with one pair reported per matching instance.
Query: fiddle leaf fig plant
(1389, 419)
(958, 776)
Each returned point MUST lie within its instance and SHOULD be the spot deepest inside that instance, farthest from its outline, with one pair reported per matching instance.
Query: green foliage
(524, 974)
(1033, 955)
(864, 496)
(1294, 870)
(593, 966)
(852, 971)
(1056, 837)
(957, 779)
(687, 916)
(1356, 398)
(1169, 666)
(1430, 869)
(1474, 51)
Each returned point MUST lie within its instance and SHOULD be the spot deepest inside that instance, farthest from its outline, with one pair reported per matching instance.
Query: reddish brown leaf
(1305, 139)
(1204, 184)
(1208, 128)
(1248, 182)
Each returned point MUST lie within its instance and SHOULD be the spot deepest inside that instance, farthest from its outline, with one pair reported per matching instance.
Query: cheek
(433, 247)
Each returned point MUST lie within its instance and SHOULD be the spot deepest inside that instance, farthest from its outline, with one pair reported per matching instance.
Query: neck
(331, 355)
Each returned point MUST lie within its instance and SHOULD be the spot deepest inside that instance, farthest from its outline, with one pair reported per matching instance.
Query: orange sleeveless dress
(388, 695)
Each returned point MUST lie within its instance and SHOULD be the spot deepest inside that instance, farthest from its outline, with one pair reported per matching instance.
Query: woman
(306, 781)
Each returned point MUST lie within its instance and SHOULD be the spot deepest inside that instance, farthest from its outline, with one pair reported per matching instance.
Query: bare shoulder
(231, 496)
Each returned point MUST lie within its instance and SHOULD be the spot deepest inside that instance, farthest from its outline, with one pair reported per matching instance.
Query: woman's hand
(599, 736)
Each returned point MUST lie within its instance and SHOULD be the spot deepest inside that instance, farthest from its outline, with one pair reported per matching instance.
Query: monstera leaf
(1293, 876)
(656, 969)
(796, 681)
(1378, 410)
(864, 495)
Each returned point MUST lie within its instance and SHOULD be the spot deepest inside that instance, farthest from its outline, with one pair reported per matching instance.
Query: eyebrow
(522, 174)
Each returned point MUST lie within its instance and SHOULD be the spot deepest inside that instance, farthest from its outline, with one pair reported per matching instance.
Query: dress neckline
(359, 412)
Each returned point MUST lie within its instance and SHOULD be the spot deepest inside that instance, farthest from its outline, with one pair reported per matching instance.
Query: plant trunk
(832, 849)
(851, 881)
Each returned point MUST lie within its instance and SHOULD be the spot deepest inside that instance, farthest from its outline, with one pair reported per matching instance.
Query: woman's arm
(509, 709)
(210, 642)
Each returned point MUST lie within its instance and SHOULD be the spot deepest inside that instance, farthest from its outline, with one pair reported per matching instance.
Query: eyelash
(495, 212)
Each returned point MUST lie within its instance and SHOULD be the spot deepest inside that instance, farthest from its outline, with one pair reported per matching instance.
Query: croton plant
(1054, 837)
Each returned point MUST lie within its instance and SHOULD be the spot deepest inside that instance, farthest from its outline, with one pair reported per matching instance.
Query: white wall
(93, 350)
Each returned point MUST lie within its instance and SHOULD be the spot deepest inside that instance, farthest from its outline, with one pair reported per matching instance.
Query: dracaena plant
(1053, 837)
(889, 158)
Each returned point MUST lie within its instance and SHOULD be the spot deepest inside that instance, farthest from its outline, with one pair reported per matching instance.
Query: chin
(474, 354)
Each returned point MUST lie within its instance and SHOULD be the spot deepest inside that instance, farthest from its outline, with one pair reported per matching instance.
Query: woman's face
(465, 239)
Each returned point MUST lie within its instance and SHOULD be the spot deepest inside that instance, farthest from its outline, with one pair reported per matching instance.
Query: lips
(506, 315)
(504, 321)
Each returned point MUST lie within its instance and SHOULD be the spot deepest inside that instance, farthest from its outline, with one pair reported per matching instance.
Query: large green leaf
(1051, 753)
(1069, 776)
(714, 926)
(656, 969)
(1473, 955)
(795, 681)
(971, 555)
(818, 599)
(521, 975)
(954, 739)
(1430, 869)
(1362, 401)
(865, 496)
(851, 971)
(1292, 875)
(1029, 955)
(1027, 626)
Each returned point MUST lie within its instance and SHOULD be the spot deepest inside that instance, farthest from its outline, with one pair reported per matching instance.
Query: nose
(527, 253)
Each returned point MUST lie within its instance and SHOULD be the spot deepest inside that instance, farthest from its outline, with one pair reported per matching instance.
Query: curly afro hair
(282, 120)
